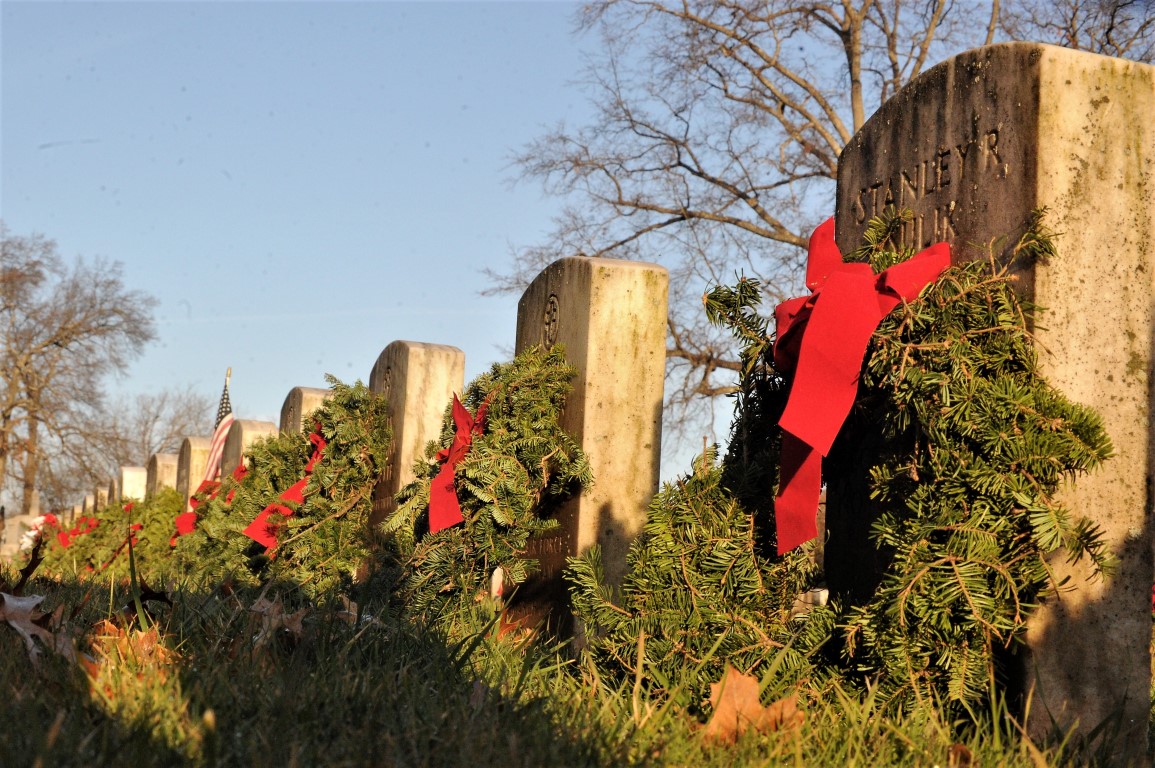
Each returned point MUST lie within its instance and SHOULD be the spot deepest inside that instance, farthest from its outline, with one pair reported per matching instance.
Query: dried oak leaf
(737, 708)
(275, 622)
(22, 614)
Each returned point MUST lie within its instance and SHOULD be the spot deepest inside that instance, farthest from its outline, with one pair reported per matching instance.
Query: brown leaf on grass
(141, 651)
(276, 623)
(959, 756)
(23, 615)
(737, 708)
(144, 646)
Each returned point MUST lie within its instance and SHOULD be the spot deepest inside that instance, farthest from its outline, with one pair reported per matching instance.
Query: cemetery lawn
(214, 682)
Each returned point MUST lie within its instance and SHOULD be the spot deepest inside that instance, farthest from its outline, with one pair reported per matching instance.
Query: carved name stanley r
(936, 180)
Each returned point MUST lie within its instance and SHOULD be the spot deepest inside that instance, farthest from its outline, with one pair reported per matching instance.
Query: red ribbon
(263, 530)
(444, 507)
(239, 473)
(822, 339)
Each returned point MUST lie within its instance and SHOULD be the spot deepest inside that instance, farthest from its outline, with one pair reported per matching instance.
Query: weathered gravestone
(418, 381)
(161, 473)
(610, 315)
(133, 483)
(190, 466)
(88, 507)
(299, 403)
(99, 498)
(972, 146)
(242, 434)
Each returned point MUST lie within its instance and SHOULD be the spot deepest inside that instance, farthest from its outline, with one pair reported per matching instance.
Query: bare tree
(1124, 28)
(64, 327)
(95, 442)
(715, 142)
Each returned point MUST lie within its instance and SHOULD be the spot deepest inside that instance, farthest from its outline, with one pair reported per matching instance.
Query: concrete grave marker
(418, 381)
(242, 434)
(610, 315)
(99, 498)
(161, 473)
(133, 483)
(299, 403)
(190, 466)
(972, 146)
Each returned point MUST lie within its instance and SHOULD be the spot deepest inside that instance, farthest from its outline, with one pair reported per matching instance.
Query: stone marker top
(299, 403)
(242, 434)
(971, 143)
(379, 374)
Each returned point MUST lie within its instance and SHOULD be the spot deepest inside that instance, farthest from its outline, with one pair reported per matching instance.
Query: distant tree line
(65, 327)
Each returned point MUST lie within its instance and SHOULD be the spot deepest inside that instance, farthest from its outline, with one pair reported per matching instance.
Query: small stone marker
(161, 473)
(190, 466)
(242, 434)
(133, 483)
(418, 381)
(99, 498)
(299, 403)
(87, 508)
(972, 146)
(610, 315)
(114, 490)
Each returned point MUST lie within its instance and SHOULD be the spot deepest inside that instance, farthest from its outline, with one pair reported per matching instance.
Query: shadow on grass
(375, 691)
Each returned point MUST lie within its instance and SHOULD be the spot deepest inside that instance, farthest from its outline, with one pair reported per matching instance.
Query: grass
(214, 686)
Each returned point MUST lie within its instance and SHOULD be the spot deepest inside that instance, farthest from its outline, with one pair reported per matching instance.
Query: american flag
(224, 421)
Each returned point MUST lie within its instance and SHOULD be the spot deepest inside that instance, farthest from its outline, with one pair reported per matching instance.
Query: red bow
(822, 338)
(264, 531)
(444, 507)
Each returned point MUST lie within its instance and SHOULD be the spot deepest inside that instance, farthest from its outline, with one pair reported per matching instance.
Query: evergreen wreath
(973, 445)
(327, 539)
(509, 484)
(960, 447)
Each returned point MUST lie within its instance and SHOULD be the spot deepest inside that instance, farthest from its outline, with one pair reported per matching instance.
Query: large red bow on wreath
(822, 339)
(264, 527)
(444, 508)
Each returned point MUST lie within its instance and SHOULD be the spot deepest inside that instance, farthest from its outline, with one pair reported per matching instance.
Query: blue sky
(299, 184)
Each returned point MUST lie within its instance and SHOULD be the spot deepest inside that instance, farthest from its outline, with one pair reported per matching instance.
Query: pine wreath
(327, 539)
(960, 446)
(941, 506)
(518, 469)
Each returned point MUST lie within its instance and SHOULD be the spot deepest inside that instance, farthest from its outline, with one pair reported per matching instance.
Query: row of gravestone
(610, 317)
(972, 147)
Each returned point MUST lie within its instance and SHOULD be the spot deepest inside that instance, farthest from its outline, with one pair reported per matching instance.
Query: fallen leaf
(737, 708)
(21, 614)
(275, 622)
(959, 756)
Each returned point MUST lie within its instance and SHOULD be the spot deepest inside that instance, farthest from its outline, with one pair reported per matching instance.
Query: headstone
(418, 381)
(972, 147)
(133, 483)
(610, 315)
(299, 403)
(114, 490)
(87, 508)
(190, 466)
(99, 498)
(161, 473)
(242, 434)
